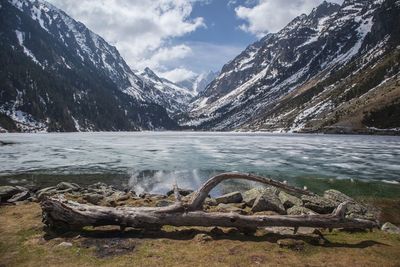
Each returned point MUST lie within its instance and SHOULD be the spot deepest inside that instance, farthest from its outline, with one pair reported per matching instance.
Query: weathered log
(60, 213)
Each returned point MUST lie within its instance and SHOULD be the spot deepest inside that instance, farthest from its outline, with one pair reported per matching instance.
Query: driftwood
(60, 213)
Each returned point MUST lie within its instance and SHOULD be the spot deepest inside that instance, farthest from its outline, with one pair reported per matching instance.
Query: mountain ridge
(78, 81)
(292, 62)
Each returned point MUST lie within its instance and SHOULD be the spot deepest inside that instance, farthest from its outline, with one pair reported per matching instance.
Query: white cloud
(198, 57)
(272, 15)
(178, 74)
(165, 55)
(140, 29)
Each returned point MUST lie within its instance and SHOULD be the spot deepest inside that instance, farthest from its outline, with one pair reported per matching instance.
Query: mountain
(165, 93)
(334, 70)
(199, 82)
(57, 75)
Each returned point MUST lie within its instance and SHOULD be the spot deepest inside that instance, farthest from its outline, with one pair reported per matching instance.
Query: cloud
(178, 75)
(165, 55)
(140, 29)
(202, 57)
(272, 15)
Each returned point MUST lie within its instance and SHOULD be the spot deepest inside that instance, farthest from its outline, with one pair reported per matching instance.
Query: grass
(23, 242)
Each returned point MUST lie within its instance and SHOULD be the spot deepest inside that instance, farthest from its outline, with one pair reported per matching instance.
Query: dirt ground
(25, 242)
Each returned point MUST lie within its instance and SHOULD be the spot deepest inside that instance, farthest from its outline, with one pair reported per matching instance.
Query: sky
(181, 38)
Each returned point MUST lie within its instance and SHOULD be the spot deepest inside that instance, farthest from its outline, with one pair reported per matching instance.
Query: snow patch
(21, 39)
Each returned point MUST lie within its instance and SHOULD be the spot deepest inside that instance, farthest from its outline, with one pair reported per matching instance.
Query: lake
(152, 161)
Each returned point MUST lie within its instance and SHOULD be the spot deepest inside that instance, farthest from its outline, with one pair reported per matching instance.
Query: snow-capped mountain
(335, 69)
(166, 93)
(57, 75)
(198, 83)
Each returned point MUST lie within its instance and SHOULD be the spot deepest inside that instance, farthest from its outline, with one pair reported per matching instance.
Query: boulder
(210, 201)
(251, 195)
(7, 192)
(298, 210)
(288, 200)
(120, 196)
(234, 197)
(268, 201)
(45, 192)
(319, 204)
(354, 209)
(93, 198)
(19, 197)
(182, 192)
(164, 203)
(98, 185)
(337, 196)
(66, 186)
(390, 228)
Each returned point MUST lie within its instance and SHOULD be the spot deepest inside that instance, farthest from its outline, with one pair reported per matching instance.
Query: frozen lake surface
(151, 161)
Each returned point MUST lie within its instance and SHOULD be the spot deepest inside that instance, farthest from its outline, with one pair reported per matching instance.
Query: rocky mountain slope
(165, 93)
(57, 75)
(333, 70)
(199, 82)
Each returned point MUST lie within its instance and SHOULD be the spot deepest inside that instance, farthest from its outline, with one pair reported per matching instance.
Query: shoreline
(360, 132)
(26, 241)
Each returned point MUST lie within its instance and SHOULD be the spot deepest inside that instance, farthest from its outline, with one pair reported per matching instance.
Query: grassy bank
(24, 242)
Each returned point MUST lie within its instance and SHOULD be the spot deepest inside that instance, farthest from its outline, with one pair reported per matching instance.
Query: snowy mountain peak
(77, 81)
(198, 83)
(255, 88)
(166, 93)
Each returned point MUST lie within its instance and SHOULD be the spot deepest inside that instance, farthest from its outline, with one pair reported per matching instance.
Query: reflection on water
(152, 161)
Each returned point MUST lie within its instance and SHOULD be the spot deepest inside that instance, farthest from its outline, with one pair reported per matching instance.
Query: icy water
(152, 161)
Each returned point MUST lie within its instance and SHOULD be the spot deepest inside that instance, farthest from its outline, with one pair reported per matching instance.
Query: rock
(268, 201)
(390, 228)
(296, 210)
(319, 204)
(19, 197)
(93, 198)
(120, 196)
(65, 244)
(354, 209)
(66, 186)
(234, 197)
(202, 238)
(98, 185)
(288, 200)
(337, 196)
(7, 192)
(152, 196)
(182, 192)
(45, 192)
(291, 244)
(164, 203)
(250, 196)
(211, 202)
